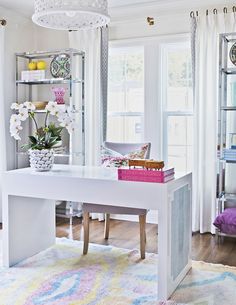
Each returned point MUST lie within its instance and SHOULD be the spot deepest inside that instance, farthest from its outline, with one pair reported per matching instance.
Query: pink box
(144, 175)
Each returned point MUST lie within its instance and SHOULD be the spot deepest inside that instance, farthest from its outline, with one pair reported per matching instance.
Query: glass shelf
(50, 54)
(66, 154)
(49, 81)
(228, 108)
(229, 71)
(225, 235)
(228, 196)
(227, 160)
(68, 214)
(42, 111)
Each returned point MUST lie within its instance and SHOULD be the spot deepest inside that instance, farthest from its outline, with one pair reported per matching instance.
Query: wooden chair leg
(142, 224)
(86, 232)
(107, 226)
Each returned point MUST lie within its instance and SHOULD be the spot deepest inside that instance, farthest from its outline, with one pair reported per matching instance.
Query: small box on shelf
(33, 75)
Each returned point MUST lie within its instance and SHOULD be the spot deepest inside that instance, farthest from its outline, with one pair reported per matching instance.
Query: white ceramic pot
(41, 160)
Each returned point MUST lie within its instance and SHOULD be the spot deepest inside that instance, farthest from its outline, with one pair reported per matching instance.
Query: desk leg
(28, 227)
(174, 239)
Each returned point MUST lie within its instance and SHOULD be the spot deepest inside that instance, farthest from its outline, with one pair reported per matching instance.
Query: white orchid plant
(45, 136)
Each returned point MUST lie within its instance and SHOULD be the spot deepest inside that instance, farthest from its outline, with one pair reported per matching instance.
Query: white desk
(29, 212)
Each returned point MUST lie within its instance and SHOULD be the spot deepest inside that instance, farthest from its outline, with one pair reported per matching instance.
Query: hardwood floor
(125, 234)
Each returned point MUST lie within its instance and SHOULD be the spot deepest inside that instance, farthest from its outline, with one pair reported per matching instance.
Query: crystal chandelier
(70, 14)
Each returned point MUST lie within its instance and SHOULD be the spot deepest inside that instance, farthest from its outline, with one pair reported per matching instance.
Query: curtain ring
(234, 9)
(215, 11)
(225, 10)
(197, 13)
(192, 14)
(207, 12)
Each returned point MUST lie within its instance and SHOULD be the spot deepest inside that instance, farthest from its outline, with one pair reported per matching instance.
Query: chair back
(126, 148)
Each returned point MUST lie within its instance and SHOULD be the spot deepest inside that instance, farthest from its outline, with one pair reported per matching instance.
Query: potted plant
(56, 132)
(40, 146)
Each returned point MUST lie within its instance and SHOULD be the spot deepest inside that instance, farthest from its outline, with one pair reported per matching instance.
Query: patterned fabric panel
(180, 226)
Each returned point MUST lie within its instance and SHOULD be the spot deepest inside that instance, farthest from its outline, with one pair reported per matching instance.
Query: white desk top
(87, 184)
(84, 172)
(71, 171)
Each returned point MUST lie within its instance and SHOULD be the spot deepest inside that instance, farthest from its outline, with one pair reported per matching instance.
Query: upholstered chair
(88, 208)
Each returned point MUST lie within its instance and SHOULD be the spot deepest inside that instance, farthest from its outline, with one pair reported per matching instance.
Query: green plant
(55, 131)
(44, 139)
(47, 136)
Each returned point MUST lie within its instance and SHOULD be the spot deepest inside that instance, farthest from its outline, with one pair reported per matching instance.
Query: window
(162, 68)
(125, 95)
(177, 106)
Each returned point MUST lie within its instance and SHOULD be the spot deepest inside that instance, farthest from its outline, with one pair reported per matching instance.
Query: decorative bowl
(40, 105)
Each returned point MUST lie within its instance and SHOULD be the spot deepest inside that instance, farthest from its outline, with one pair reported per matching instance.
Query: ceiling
(125, 9)
(118, 3)
(26, 7)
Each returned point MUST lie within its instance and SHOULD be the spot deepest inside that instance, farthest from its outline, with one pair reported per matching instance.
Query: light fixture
(70, 14)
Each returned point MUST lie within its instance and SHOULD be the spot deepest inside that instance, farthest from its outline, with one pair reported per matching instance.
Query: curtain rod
(225, 10)
(3, 22)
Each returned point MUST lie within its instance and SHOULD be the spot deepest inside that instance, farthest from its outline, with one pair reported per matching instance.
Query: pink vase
(59, 95)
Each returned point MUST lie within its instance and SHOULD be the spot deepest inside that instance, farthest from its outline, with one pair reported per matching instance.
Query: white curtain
(3, 161)
(89, 41)
(205, 42)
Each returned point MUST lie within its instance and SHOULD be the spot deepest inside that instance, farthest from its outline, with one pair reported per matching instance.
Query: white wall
(171, 17)
(164, 25)
(18, 38)
(50, 39)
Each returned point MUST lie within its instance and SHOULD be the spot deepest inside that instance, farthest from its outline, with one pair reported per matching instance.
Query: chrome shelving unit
(71, 82)
(75, 84)
(226, 111)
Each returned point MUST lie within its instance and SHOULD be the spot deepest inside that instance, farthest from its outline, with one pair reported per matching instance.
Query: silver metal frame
(224, 72)
(70, 82)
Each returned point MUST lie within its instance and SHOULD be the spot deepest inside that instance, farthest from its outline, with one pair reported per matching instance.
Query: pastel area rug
(61, 275)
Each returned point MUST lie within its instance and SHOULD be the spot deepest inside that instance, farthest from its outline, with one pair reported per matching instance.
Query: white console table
(29, 212)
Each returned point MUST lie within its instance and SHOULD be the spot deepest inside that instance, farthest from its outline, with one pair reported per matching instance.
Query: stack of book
(144, 175)
(229, 154)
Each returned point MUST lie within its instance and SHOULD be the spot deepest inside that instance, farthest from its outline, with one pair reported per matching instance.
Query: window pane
(180, 157)
(125, 129)
(125, 93)
(180, 142)
(180, 130)
(179, 82)
(178, 105)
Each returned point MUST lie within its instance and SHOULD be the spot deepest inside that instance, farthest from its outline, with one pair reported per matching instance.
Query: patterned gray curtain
(193, 48)
(104, 79)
